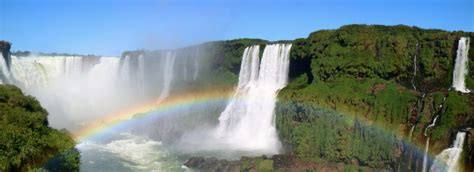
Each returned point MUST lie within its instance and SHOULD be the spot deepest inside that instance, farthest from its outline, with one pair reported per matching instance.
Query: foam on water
(132, 152)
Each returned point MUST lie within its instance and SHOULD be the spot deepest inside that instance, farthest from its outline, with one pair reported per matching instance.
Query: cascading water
(460, 67)
(141, 75)
(132, 71)
(77, 90)
(247, 123)
(196, 68)
(410, 135)
(415, 63)
(427, 145)
(71, 88)
(167, 75)
(185, 73)
(448, 159)
(418, 111)
(37, 72)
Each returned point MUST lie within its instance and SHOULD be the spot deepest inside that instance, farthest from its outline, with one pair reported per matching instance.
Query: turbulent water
(247, 122)
(460, 67)
(128, 152)
(448, 159)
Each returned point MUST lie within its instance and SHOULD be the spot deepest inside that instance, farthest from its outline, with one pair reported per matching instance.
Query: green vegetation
(26, 141)
(258, 163)
(455, 107)
(264, 165)
(320, 135)
(351, 99)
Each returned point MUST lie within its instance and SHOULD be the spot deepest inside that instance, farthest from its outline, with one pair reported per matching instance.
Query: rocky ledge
(281, 162)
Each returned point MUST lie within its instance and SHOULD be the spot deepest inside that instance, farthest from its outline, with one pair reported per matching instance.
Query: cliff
(5, 50)
(363, 95)
(357, 91)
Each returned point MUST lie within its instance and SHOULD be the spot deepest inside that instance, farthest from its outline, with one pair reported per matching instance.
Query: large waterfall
(79, 89)
(448, 159)
(460, 67)
(71, 88)
(247, 123)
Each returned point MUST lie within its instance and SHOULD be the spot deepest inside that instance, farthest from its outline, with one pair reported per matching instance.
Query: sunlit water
(128, 152)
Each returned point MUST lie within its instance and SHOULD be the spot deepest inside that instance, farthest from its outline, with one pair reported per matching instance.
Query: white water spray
(460, 67)
(248, 123)
(448, 159)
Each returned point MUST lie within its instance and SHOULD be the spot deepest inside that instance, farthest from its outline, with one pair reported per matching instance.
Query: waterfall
(247, 123)
(431, 125)
(167, 75)
(460, 67)
(248, 73)
(69, 87)
(419, 108)
(132, 71)
(196, 68)
(141, 75)
(425, 157)
(427, 145)
(31, 73)
(78, 89)
(414, 67)
(185, 68)
(411, 132)
(448, 159)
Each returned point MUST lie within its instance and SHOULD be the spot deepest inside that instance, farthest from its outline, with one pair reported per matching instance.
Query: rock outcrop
(5, 50)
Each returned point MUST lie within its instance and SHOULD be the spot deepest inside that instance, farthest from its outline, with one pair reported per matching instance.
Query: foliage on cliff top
(387, 52)
(26, 141)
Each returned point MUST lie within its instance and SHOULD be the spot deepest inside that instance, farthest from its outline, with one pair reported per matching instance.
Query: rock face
(5, 50)
(213, 164)
(469, 161)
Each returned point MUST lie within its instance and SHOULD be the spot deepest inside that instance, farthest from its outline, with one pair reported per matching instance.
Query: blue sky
(108, 27)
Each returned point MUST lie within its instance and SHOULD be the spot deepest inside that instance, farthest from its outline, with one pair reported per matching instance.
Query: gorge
(361, 97)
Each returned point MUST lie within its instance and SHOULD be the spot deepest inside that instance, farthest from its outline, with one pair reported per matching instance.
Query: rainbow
(146, 112)
(151, 109)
